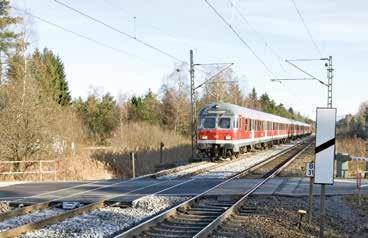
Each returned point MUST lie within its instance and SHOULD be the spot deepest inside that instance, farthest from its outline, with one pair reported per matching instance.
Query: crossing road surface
(124, 190)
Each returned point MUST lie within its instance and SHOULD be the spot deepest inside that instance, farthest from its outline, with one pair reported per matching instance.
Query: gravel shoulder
(297, 167)
(4, 207)
(277, 216)
(106, 221)
(243, 163)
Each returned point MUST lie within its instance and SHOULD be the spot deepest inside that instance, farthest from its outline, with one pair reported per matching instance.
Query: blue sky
(340, 29)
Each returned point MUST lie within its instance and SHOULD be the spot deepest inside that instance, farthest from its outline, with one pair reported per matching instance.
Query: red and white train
(225, 129)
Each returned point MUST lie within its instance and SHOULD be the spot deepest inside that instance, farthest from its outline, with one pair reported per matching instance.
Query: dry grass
(143, 136)
(351, 146)
(90, 163)
(144, 140)
(83, 167)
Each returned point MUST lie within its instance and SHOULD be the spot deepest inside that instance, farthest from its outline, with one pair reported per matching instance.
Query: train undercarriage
(215, 152)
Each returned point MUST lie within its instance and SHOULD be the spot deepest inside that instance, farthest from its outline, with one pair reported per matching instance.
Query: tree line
(38, 114)
(355, 125)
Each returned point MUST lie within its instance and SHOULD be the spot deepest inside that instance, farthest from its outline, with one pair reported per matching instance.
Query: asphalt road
(128, 190)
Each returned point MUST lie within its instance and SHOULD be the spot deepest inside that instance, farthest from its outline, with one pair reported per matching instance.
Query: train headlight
(204, 137)
(227, 137)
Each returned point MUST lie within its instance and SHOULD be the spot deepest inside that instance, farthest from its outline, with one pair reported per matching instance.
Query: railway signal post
(324, 155)
(331, 120)
(310, 173)
(330, 70)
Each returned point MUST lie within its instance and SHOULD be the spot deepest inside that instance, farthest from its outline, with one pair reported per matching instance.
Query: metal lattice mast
(329, 82)
(193, 106)
(366, 130)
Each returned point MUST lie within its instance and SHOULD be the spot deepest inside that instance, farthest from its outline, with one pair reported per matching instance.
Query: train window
(224, 123)
(209, 122)
(247, 124)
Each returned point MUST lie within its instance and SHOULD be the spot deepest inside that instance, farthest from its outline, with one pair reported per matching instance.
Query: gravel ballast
(242, 164)
(4, 207)
(29, 218)
(106, 221)
(184, 171)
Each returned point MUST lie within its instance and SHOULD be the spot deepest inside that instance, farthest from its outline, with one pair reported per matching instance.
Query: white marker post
(309, 172)
(324, 155)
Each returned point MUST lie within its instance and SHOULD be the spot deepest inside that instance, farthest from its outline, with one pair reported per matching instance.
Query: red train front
(227, 130)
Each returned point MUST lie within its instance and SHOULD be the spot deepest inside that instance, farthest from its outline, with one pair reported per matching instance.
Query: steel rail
(233, 209)
(160, 217)
(102, 202)
(89, 207)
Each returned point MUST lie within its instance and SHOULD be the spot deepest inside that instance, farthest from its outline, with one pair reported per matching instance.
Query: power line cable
(121, 32)
(266, 43)
(239, 36)
(307, 29)
(155, 27)
(79, 35)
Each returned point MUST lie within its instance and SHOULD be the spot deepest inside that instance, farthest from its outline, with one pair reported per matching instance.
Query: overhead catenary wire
(139, 19)
(306, 28)
(149, 24)
(259, 35)
(266, 43)
(240, 38)
(79, 34)
(121, 32)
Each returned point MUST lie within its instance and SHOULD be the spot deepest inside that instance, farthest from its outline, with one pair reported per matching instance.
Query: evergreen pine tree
(8, 37)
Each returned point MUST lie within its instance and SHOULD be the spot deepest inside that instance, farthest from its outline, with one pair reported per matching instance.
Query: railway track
(201, 215)
(215, 206)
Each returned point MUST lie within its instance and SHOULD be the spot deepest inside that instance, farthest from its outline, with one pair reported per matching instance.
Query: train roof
(250, 113)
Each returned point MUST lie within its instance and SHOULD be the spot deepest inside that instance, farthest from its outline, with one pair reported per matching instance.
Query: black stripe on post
(324, 145)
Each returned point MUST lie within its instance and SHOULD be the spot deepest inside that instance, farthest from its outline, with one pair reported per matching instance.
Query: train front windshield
(215, 122)
(224, 123)
(209, 123)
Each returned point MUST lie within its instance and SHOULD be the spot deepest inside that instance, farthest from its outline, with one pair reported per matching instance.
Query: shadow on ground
(146, 161)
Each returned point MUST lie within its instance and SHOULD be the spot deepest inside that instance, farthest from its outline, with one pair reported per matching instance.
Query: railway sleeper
(199, 215)
(204, 213)
(173, 231)
(193, 226)
(193, 219)
(186, 223)
(152, 233)
(211, 209)
(223, 204)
